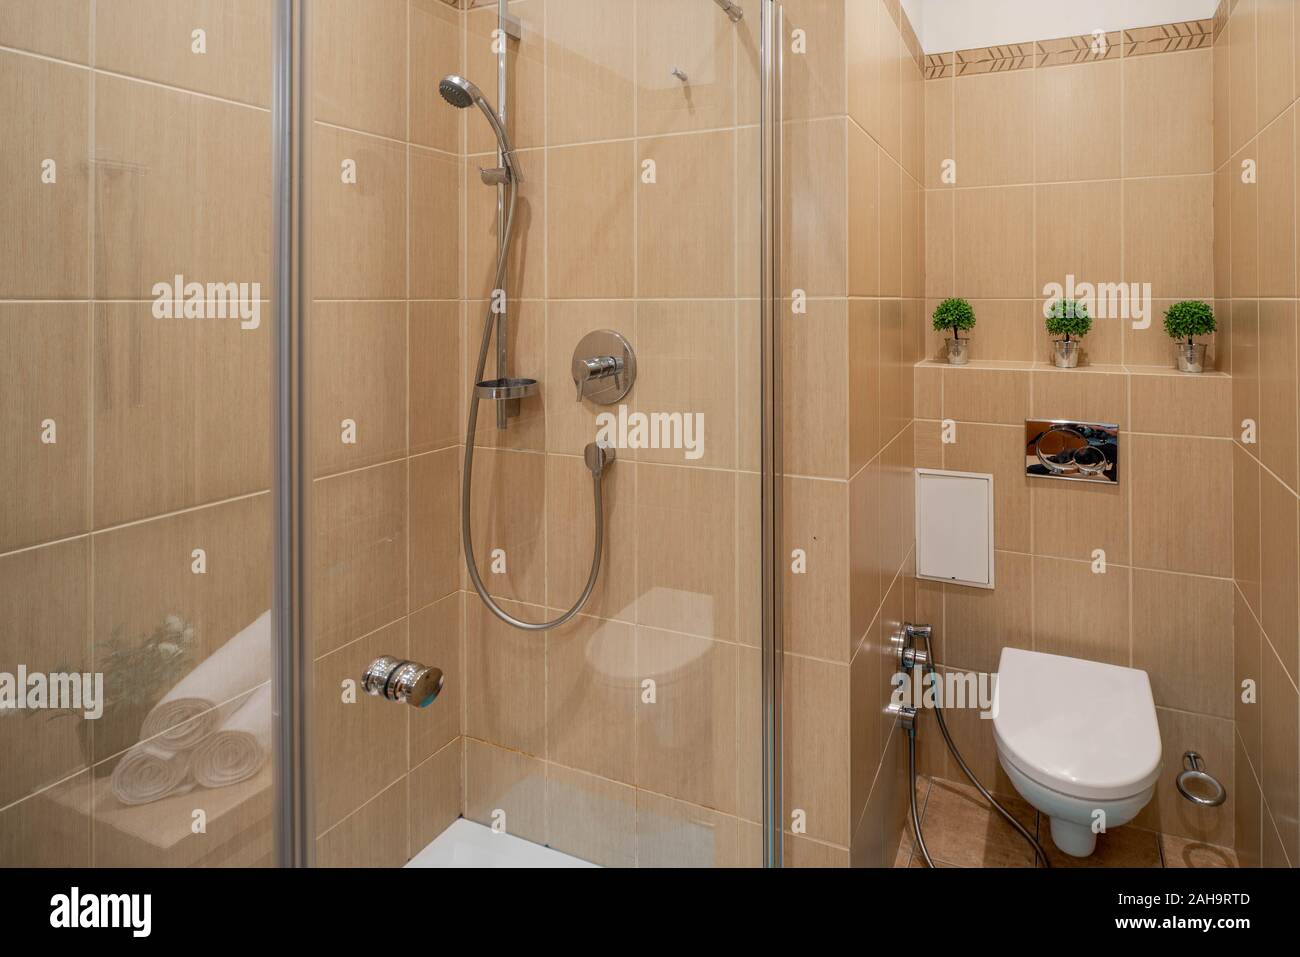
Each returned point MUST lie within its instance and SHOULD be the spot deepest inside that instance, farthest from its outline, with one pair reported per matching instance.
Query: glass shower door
(135, 447)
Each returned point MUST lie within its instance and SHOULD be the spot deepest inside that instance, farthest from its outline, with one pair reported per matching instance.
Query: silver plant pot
(1191, 357)
(958, 351)
(1066, 353)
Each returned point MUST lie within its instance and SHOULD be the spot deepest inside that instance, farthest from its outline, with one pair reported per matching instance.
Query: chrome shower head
(460, 93)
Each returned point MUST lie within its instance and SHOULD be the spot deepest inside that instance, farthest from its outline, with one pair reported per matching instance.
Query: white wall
(945, 25)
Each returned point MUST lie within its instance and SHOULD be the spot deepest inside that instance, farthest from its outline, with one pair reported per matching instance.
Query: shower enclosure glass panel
(136, 341)
(631, 734)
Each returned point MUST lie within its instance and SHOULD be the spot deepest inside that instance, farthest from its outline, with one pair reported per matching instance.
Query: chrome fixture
(681, 74)
(1197, 784)
(1072, 451)
(503, 390)
(406, 682)
(604, 367)
(732, 10)
(910, 657)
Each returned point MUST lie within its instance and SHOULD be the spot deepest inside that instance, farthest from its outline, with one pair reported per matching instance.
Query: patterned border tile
(938, 66)
(999, 59)
(1082, 49)
(1169, 38)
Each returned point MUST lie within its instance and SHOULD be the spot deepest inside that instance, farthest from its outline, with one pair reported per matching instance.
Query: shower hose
(930, 669)
(597, 459)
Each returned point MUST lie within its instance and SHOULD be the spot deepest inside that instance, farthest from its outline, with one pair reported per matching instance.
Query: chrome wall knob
(402, 681)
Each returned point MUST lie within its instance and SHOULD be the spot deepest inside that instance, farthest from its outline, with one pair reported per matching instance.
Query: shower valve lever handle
(593, 368)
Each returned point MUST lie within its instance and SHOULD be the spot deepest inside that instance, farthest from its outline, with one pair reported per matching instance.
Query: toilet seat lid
(1083, 728)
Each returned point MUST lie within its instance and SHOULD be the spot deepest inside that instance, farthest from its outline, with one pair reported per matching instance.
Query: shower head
(461, 93)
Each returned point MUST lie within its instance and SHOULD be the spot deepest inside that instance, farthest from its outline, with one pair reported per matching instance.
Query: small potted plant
(957, 315)
(1185, 320)
(1069, 320)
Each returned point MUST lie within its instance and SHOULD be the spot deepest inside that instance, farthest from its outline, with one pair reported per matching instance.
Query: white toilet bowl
(1079, 741)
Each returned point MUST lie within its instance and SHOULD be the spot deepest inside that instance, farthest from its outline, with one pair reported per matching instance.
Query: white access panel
(954, 527)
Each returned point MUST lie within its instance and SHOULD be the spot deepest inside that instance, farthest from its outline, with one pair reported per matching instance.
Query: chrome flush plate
(1072, 451)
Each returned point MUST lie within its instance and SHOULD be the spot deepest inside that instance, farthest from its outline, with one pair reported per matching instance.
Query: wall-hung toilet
(1076, 737)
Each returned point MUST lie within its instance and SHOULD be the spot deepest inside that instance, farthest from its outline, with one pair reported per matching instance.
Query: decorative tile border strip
(1082, 49)
(999, 59)
(1170, 38)
(1139, 41)
(938, 66)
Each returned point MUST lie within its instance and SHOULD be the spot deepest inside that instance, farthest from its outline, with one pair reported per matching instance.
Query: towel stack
(213, 728)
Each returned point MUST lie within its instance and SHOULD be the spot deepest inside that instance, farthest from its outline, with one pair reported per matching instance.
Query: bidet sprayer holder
(909, 655)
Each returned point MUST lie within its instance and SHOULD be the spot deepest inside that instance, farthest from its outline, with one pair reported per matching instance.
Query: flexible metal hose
(467, 477)
(961, 763)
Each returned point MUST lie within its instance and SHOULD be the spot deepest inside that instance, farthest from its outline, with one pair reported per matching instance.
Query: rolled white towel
(238, 750)
(204, 698)
(147, 773)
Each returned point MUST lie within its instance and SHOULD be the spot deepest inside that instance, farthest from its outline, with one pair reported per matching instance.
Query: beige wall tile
(1181, 404)
(1072, 105)
(434, 220)
(368, 733)
(144, 575)
(1242, 64)
(813, 250)
(1277, 388)
(374, 836)
(435, 551)
(995, 129)
(436, 795)
(680, 585)
(693, 38)
(1279, 779)
(862, 64)
(1168, 235)
(505, 679)
(1077, 233)
(1280, 568)
(508, 514)
(1074, 519)
(592, 690)
(815, 82)
(570, 531)
(435, 45)
(889, 61)
(591, 197)
(865, 253)
(1222, 100)
(686, 740)
(1246, 525)
(1182, 638)
(153, 40)
(685, 220)
(526, 275)
(590, 818)
(816, 731)
(1169, 812)
(989, 395)
(1277, 180)
(865, 548)
(436, 389)
(1244, 320)
(1168, 114)
(1081, 396)
(1276, 57)
(44, 629)
(359, 72)
(1247, 645)
(1223, 230)
(865, 361)
(1081, 614)
(891, 228)
(506, 789)
(526, 67)
(1249, 808)
(816, 600)
(815, 371)
(994, 251)
(44, 374)
(359, 229)
(435, 638)
(1000, 451)
(978, 623)
(940, 244)
(57, 28)
(41, 832)
(358, 553)
(358, 373)
(591, 50)
(676, 834)
(1244, 211)
(1179, 525)
(46, 107)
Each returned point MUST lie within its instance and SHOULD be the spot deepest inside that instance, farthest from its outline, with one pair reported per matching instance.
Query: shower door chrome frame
(293, 837)
(772, 145)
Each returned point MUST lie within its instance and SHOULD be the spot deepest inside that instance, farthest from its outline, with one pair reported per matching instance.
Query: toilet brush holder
(1197, 784)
